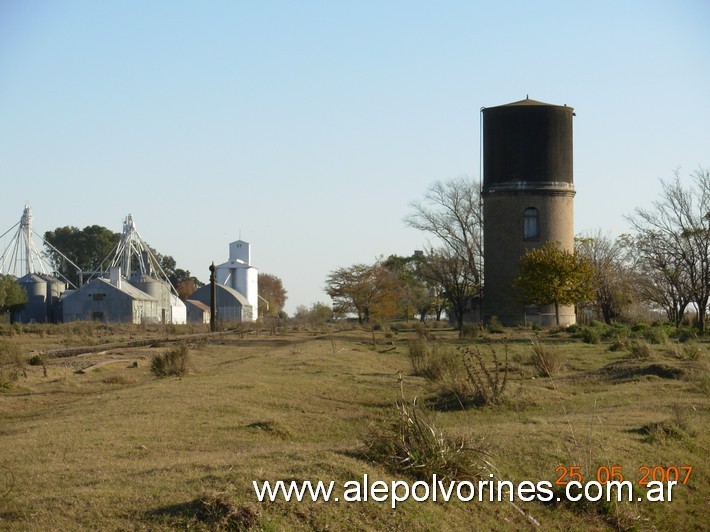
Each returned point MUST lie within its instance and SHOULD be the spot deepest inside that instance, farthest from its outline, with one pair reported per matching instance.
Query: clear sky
(307, 127)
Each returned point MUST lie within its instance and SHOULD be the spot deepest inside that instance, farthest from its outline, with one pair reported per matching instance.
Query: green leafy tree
(89, 248)
(548, 275)
(182, 280)
(12, 296)
(414, 295)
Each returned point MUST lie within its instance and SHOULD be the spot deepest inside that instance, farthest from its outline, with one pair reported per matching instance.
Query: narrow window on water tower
(531, 229)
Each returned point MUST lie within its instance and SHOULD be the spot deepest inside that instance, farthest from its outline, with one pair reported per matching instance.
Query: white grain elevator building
(238, 274)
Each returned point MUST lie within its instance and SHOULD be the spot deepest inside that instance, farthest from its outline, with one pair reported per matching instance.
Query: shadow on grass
(449, 402)
(215, 511)
(626, 370)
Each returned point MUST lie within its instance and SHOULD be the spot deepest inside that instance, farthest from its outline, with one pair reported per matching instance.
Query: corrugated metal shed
(230, 304)
(103, 301)
(197, 312)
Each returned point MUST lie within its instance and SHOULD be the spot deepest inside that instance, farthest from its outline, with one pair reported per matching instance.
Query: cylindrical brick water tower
(528, 191)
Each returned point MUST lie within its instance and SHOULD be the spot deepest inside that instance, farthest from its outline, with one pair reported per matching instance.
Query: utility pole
(213, 298)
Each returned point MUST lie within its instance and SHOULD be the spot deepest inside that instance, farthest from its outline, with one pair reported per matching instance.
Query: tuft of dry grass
(412, 444)
(546, 360)
(173, 362)
(639, 349)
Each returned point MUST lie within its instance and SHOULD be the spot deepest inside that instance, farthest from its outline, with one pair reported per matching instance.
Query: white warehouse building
(238, 273)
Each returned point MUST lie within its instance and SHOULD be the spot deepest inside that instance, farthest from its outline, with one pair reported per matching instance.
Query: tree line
(661, 264)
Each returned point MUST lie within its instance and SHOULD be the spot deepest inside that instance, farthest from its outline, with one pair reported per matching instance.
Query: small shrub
(573, 328)
(546, 360)
(590, 336)
(655, 335)
(36, 360)
(663, 431)
(620, 344)
(639, 349)
(639, 327)
(686, 335)
(676, 428)
(617, 331)
(495, 326)
(470, 330)
(12, 364)
(171, 363)
(484, 387)
(422, 330)
(692, 351)
(412, 444)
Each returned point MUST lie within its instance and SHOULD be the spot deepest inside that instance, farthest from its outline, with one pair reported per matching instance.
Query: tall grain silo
(528, 193)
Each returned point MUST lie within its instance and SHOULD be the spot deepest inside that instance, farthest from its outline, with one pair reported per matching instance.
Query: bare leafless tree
(673, 241)
(613, 284)
(452, 273)
(451, 212)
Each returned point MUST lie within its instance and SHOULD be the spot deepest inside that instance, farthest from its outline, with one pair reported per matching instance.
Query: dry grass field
(94, 440)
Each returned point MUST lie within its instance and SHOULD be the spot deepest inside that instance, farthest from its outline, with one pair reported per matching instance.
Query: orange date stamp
(614, 473)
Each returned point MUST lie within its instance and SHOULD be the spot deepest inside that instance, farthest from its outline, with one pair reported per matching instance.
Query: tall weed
(484, 386)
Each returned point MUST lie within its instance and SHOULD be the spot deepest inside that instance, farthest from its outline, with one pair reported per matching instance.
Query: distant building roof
(203, 294)
(198, 304)
(125, 287)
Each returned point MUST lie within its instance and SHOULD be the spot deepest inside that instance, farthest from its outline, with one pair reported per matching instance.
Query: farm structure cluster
(132, 289)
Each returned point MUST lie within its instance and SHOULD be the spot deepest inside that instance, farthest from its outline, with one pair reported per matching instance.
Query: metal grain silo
(156, 288)
(528, 192)
(55, 288)
(35, 310)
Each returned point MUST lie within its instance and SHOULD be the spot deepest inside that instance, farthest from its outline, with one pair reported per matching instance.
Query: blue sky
(308, 127)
